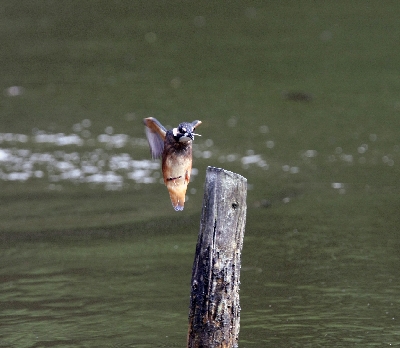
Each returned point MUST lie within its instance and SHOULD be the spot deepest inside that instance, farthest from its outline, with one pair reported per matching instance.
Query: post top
(226, 172)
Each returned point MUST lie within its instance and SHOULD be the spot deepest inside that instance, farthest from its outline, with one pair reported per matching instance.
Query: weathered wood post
(214, 316)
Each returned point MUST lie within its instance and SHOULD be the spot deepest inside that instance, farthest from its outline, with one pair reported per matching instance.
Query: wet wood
(214, 316)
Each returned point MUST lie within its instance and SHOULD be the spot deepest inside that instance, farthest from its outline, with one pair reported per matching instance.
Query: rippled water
(300, 98)
(130, 288)
(95, 293)
(318, 289)
(330, 282)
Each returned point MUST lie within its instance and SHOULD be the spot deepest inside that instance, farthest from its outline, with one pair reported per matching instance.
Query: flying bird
(175, 147)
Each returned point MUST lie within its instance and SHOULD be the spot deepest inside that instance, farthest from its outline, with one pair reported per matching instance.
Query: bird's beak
(191, 135)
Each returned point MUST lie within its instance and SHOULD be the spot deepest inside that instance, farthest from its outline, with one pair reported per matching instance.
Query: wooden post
(214, 316)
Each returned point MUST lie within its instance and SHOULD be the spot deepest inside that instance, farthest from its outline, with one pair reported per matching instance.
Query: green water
(301, 98)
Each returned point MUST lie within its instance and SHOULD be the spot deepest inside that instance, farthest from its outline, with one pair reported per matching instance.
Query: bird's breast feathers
(175, 167)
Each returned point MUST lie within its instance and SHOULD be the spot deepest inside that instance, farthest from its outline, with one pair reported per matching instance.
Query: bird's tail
(177, 194)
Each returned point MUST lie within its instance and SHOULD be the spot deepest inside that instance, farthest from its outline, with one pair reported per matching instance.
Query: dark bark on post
(214, 316)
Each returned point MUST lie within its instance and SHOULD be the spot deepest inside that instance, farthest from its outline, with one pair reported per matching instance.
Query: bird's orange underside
(177, 192)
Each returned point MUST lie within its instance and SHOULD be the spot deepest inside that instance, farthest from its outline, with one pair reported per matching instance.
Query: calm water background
(303, 99)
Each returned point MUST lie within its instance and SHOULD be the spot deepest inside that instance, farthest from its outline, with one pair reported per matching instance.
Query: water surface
(300, 99)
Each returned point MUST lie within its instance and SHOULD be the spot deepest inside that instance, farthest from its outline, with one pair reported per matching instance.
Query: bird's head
(185, 131)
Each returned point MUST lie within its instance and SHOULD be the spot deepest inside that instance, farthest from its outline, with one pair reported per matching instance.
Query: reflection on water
(97, 166)
(100, 165)
(103, 165)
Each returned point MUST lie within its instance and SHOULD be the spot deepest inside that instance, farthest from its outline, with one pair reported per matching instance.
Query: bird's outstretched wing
(155, 133)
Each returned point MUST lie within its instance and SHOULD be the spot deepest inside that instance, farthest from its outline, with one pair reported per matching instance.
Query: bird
(175, 148)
